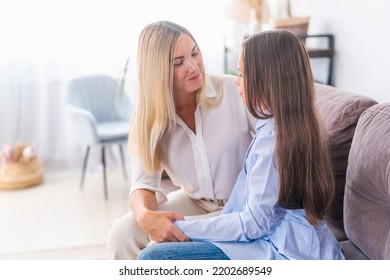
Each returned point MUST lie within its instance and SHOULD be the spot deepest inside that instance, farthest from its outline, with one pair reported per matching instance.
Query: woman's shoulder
(223, 84)
(221, 79)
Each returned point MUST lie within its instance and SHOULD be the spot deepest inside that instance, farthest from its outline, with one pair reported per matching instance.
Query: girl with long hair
(276, 209)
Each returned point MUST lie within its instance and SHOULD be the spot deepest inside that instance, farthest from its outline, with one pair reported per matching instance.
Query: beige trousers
(126, 239)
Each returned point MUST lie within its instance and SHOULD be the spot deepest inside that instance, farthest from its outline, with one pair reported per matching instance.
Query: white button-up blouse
(204, 164)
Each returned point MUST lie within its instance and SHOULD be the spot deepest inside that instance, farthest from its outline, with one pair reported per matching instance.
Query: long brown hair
(279, 84)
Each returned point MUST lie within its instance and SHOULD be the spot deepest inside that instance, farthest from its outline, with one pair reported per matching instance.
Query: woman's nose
(191, 64)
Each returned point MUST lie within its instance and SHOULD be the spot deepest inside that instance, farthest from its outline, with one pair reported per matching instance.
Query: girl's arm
(250, 211)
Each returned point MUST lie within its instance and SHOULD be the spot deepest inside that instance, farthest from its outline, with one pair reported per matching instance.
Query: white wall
(45, 43)
(362, 41)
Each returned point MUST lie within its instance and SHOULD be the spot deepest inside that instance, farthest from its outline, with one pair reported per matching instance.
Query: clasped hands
(160, 228)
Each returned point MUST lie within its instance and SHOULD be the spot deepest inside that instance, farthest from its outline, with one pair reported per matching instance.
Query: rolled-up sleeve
(141, 180)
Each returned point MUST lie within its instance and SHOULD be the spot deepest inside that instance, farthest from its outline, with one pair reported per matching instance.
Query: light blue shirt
(252, 225)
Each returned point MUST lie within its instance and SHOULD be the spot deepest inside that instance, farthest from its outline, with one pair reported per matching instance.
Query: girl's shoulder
(265, 134)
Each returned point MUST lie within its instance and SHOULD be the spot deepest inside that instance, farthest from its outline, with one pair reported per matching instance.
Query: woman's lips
(193, 77)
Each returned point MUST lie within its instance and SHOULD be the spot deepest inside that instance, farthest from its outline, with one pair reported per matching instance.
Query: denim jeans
(182, 251)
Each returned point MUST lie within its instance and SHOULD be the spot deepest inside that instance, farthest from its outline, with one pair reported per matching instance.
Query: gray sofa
(358, 130)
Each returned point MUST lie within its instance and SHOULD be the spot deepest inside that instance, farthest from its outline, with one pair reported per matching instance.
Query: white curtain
(45, 43)
(31, 104)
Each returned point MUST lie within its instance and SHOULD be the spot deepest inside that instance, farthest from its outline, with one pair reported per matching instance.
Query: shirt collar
(209, 92)
(209, 88)
(261, 123)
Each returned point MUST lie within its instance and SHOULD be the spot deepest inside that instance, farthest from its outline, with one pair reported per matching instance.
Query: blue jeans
(182, 251)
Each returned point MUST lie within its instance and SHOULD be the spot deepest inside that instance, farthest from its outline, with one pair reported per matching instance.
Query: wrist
(142, 215)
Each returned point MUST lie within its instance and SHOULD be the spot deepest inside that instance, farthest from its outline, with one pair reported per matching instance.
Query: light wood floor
(58, 220)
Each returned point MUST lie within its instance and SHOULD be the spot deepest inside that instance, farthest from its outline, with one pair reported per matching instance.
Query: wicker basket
(16, 175)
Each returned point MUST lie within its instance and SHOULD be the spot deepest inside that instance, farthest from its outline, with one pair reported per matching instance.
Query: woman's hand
(159, 227)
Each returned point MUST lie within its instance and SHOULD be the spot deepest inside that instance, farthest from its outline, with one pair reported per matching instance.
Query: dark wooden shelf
(327, 52)
(320, 53)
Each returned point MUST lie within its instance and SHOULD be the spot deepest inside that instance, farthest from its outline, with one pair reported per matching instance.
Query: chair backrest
(99, 94)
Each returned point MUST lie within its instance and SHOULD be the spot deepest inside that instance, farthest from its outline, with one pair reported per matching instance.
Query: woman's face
(188, 66)
(240, 77)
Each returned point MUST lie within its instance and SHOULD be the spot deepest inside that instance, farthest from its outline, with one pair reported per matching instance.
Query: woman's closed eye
(178, 62)
(195, 52)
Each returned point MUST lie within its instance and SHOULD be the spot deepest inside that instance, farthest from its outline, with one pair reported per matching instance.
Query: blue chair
(99, 115)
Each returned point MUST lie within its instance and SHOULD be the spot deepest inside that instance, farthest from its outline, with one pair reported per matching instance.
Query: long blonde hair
(155, 109)
(278, 75)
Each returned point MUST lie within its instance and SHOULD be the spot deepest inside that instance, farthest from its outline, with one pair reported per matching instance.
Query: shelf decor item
(256, 17)
(297, 25)
(280, 16)
(268, 14)
(19, 167)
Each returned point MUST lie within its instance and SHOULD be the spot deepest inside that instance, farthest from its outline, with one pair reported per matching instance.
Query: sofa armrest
(367, 190)
(339, 112)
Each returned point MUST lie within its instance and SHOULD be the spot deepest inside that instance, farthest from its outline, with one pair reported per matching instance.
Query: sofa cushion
(339, 112)
(351, 252)
(367, 191)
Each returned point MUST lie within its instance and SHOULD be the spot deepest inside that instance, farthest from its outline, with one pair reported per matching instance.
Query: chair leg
(84, 167)
(104, 172)
(123, 161)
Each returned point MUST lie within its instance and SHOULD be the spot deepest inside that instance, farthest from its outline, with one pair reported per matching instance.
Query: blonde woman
(188, 123)
(276, 210)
